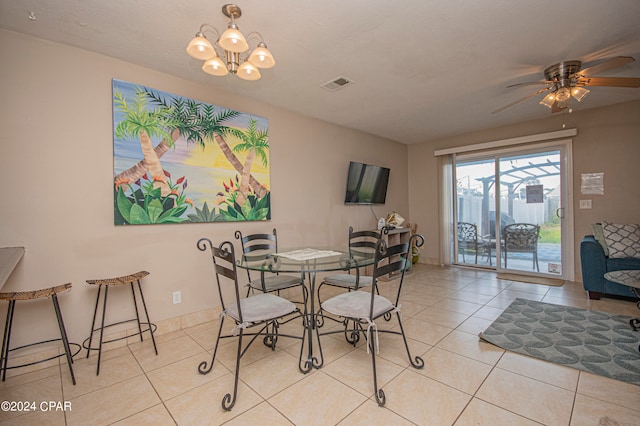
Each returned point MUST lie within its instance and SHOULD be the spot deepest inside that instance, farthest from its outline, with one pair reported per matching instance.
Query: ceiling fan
(566, 79)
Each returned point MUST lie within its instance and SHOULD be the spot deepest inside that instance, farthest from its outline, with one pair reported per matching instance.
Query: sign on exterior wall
(178, 160)
(535, 194)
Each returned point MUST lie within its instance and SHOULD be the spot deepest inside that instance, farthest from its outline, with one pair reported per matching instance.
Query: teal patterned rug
(592, 341)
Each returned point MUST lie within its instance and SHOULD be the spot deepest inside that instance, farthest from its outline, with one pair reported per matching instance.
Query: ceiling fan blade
(618, 61)
(610, 81)
(537, 92)
(531, 83)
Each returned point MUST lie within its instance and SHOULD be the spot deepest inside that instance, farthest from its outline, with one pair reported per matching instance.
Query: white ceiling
(422, 69)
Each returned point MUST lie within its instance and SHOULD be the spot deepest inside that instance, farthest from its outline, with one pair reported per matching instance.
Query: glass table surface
(306, 260)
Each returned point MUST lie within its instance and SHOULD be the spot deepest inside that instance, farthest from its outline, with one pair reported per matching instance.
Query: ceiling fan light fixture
(567, 79)
(548, 100)
(563, 94)
(579, 92)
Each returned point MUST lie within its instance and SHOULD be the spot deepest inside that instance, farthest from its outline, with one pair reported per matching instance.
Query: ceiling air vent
(336, 83)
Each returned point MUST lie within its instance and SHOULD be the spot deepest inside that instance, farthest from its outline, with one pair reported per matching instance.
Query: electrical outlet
(177, 297)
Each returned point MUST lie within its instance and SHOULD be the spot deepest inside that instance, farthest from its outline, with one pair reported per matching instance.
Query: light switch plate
(585, 204)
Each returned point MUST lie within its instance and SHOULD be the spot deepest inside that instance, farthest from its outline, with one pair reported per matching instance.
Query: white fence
(470, 209)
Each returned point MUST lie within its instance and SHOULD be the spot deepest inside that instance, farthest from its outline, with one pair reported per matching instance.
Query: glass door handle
(560, 212)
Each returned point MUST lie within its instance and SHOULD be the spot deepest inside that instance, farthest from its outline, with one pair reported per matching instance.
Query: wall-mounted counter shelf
(9, 258)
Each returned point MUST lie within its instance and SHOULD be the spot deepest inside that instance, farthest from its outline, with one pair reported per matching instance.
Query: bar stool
(148, 325)
(12, 297)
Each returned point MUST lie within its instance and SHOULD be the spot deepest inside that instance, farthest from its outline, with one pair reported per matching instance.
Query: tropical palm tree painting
(178, 160)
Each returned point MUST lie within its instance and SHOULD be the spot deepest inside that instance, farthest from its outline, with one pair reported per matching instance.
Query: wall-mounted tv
(366, 184)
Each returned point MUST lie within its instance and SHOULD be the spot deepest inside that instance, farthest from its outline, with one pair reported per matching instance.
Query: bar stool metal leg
(93, 322)
(135, 306)
(141, 325)
(7, 339)
(104, 311)
(12, 297)
(63, 335)
(146, 313)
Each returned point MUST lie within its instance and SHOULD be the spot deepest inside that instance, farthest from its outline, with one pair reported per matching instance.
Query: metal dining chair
(264, 312)
(362, 309)
(256, 246)
(360, 243)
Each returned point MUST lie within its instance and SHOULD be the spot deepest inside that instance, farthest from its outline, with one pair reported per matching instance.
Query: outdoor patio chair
(256, 246)
(469, 240)
(521, 238)
(264, 311)
(362, 309)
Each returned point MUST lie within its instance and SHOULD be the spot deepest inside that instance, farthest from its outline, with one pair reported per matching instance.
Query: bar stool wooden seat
(13, 297)
(143, 326)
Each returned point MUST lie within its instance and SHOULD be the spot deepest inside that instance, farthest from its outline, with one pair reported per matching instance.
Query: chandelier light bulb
(233, 40)
(261, 57)
(248, 71)
(215, 66)
(200, 48)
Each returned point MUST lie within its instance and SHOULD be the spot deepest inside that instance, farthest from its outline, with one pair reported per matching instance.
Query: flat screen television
(366, 184)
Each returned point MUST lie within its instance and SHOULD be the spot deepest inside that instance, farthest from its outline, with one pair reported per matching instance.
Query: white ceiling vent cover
(336, 83)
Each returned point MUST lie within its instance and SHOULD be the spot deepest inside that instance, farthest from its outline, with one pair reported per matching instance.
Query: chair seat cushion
(261, 307)
(347, 280)
(276, 282)
(356, 304)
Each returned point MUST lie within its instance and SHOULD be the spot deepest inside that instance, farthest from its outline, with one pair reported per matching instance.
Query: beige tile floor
(464, 381)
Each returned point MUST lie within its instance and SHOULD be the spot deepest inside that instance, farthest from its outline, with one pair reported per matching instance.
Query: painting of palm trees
(177, 160)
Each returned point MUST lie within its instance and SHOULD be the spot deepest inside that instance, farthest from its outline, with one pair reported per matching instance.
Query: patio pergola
(514, 178)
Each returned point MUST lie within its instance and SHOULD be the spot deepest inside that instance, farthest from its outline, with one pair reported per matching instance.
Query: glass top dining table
(308, 262)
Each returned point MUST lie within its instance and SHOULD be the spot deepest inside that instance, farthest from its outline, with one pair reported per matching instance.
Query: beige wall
(608, 141)
(57, 199)
(56, 167)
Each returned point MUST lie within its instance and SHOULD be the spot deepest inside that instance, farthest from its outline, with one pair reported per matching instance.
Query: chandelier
(233, 47)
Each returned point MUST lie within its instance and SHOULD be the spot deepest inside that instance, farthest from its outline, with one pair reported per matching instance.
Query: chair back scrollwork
(224, 265)
(467, 232)
(521, 236)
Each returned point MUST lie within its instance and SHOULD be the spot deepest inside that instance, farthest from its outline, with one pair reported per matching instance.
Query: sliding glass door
(509, 211)
(476, 202)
